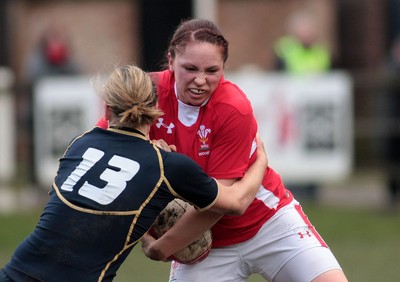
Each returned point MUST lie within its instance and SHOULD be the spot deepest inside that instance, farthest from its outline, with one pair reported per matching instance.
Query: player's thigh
(285, 235)
(315, 264)
(221, 265)
(334, 275)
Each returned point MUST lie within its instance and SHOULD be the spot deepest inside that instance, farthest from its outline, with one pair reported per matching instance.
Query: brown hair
(197, 30)
(131, 97)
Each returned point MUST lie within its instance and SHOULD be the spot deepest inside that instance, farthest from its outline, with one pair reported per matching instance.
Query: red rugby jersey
(220, 138)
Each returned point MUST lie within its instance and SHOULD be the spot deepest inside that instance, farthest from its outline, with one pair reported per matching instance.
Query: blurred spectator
(300, 51)
(52, 57)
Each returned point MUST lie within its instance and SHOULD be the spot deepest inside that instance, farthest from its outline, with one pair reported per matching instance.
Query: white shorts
(287, 248)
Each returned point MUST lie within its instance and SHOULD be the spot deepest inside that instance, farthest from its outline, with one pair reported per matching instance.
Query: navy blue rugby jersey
(109, 188)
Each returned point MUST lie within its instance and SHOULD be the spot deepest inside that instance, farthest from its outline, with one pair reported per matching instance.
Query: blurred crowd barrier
(306, 122)
(7, 126)
(63, 108)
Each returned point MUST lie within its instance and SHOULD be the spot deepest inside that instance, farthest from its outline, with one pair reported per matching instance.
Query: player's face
(198, 69)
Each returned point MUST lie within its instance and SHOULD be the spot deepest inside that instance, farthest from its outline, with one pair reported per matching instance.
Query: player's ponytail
(130, 94)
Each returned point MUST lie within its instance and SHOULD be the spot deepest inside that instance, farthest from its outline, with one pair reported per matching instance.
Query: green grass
(366, 243)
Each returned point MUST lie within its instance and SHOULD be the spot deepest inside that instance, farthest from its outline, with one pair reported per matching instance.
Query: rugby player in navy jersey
(111, 185)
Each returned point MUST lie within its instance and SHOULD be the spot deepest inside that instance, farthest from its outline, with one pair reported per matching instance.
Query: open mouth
(197, 91)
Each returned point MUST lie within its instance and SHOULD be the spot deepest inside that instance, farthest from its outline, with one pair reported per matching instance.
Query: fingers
(260, 143)
(261, 148)
(163, 145)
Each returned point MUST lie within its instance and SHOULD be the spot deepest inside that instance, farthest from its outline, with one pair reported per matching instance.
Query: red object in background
(56, 52)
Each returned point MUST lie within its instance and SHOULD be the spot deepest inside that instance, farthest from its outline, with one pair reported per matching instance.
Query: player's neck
(145, 129)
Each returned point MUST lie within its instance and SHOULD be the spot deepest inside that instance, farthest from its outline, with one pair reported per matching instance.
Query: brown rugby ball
(197, 250)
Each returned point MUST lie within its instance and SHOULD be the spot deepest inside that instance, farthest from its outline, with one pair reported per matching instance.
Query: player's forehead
(203, 54)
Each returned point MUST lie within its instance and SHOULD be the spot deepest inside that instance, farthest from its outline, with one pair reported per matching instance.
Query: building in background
(104, 33)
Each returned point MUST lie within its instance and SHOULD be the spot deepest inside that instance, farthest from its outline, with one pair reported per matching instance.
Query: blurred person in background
(111, 185)
(52, 56)
(300, 52)
(211, 120)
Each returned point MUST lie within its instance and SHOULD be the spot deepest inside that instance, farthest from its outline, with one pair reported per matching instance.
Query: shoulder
(162, 78)
(181, 167)
(229, 97)
(189, 181)
(178, 161)
(164, 83)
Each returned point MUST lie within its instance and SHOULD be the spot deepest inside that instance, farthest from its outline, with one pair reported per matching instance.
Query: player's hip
(287, 234)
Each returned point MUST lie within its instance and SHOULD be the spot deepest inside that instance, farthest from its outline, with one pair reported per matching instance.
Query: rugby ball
(197, 250)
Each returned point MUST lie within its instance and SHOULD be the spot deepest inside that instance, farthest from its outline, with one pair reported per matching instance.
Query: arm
(236, 197)
(180, 235)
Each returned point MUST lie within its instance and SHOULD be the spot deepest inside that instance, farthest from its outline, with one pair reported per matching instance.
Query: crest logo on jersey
(168, 127)
(203, 137)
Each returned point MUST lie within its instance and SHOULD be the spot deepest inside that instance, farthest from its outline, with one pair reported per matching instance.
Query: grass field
(366, 243)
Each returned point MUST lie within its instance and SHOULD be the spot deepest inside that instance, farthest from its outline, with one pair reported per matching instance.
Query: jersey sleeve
(189, 181)
(234, 143)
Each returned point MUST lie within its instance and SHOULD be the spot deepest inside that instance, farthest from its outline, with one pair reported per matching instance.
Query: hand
(261, 154)
(149, 250)
(163, 145)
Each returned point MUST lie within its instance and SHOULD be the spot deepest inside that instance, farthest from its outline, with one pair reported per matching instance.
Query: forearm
(186, 230)
(235, 199)
(246, 188)
(151, 249)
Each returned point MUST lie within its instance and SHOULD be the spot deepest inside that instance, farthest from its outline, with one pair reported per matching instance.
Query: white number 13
(116, 180)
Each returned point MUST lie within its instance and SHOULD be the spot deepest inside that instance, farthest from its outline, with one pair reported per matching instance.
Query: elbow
(241, 209)
(238, 209)
(155, 254)
(243, 204)
(232, 203)
(238, 212)
(152, 249)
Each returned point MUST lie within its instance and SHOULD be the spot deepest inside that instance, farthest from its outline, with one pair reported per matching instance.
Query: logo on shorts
(203, 137)
(168, 127)
(304, 232)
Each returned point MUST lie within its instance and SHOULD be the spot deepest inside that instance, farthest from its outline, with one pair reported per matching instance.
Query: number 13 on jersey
(116, 180)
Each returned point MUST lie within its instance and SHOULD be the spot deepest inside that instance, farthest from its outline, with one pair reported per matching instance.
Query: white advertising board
(306, 122)
(8, 137)
(64, 107)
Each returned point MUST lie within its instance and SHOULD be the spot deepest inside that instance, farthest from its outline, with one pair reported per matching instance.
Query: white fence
(7, 126)
(306, 122)
(64, 107)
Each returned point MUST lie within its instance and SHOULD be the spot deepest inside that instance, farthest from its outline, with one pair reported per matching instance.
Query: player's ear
(107, 112)
(170, 61)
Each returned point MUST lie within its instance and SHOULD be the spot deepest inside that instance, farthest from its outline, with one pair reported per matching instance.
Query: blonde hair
(131, 97)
